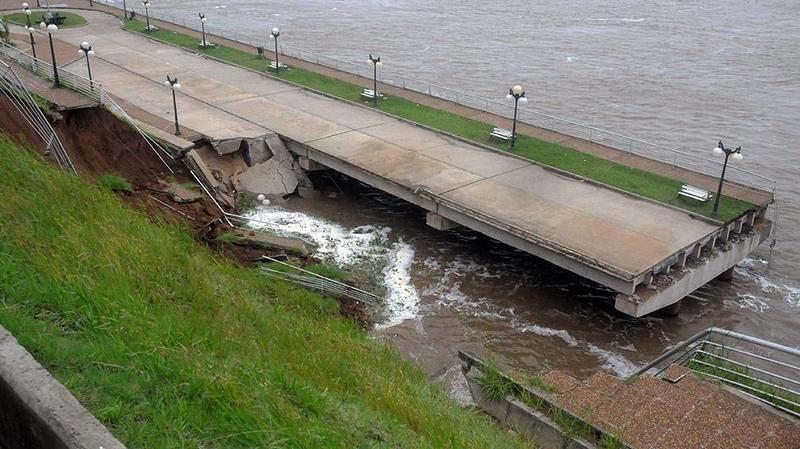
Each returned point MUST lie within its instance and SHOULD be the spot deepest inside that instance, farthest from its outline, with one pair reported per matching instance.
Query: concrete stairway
(678, 411)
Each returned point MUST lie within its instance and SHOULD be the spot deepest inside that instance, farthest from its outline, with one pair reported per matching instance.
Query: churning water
(677, 73)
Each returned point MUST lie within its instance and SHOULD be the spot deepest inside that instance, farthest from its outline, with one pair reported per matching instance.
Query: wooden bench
(283, 66)
(695, 193)
(500, 133)
(370, 94)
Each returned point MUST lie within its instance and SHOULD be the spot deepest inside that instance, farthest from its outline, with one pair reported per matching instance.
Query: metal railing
(761, 369)
(23, 101)
(89, 88)
(571, 128)
(314, 281)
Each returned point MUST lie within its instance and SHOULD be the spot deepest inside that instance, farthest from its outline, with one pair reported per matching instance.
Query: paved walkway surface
(623, 157)
(622, 234)
(652, 413)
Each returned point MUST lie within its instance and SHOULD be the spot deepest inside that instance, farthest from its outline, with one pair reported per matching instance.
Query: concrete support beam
(440, 223)
(726, 275)
(697, 251)
(739, 225)
(310, 165)
(751, 219)
(718, 263)
(682, 258)
(725, 234)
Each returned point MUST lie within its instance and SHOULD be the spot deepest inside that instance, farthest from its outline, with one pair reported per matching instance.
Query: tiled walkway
(688, 413)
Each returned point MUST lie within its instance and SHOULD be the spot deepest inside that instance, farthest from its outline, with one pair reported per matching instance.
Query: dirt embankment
(100, 144)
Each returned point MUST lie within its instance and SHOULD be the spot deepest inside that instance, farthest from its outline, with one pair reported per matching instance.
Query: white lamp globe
(42, 26)
(523, 100)
(90, 53)
(52, 27)
(25, 6)
(509, 97)
(718, 151)
(85, 44)
(167, 83)
(379, 64)
(27, 11)
(265, 202)
(176, 86)
(261, 197)
(738, 156)
(517, 89)
(276, 31)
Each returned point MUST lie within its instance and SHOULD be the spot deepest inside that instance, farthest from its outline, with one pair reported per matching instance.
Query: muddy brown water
(681, 74)
(479, 295)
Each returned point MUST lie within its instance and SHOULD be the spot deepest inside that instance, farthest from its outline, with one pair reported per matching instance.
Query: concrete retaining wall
(37, 412)
(525, 420)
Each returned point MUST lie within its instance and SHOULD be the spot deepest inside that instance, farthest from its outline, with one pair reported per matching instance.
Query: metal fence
(761, 369)
(294, 274)
(86, 87)
(25, 104)
(529, 116)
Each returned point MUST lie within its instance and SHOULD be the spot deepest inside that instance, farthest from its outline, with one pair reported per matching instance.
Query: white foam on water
(360, 246)
(402, 302)
(749, 301)
(615, 363)
(545, 332)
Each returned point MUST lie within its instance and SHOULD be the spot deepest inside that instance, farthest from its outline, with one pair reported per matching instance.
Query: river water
(682, 74)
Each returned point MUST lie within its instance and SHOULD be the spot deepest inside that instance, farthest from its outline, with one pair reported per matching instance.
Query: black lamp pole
(728, 152)
(146, 4)
(517, 93)
(124, 9)
(376, 62)
(203, 27)
(50, 28)
(87, 51)
(28, 12)
(275, 33)
(174, 84)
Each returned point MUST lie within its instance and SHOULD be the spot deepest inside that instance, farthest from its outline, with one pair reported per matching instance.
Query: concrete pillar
(698, 249)
(751, 219)
(727, 275)
(725, 234)
(440, 223)
(739, 225)
(309, 165)
(682, 258)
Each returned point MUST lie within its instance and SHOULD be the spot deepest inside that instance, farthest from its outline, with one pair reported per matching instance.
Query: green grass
(494, 384)
(710, 365)
(115, 183)
(640, 182)
(171, 347)
(71, 20)
(538, 382)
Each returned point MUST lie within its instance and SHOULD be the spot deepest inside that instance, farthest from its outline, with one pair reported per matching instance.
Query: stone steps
(683, 412)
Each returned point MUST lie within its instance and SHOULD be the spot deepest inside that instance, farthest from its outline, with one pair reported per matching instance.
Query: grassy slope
(643, 183)
(71, 19)
(171, 347)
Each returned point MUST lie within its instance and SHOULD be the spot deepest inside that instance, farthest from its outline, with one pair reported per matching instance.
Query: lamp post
(91, 4)
(174, 85)
(376, 64)
(203, 21)
(51, 28)
(146, 4)
(517, 93)
(86, 50)
(124, 9)
(728, 152)
(274, 35)
(27, 10)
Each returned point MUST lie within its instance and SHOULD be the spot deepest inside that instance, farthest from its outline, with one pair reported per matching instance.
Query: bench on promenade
(501, 133)
(370, 94)
(695, 193)
(283, 66)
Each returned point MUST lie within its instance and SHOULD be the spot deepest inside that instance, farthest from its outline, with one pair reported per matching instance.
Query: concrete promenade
(607, 236)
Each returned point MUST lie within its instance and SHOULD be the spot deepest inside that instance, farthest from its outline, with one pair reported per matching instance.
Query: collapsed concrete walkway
(610, 237)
